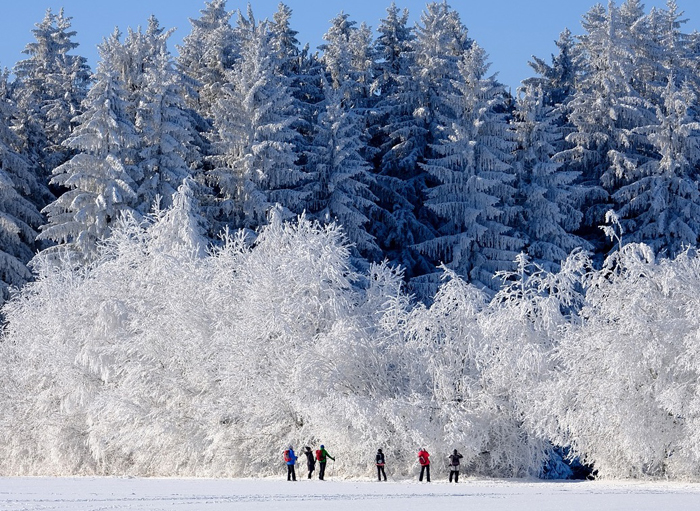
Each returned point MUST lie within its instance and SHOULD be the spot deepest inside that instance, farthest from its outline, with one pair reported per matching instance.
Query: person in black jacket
(380, 465)
(454, 465)
(310, 460)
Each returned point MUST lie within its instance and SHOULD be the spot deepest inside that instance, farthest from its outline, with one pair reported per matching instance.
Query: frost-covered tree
(424, 64)
(546, 193)
(19, 216)
(338, 190)
(661, 206)
(634, 343)
(116, 370)
(50, 85)
(302, 69)
(205, 55)
(284, 41)
(99, 181)
(392, 48)
(605, 109)
(440, 42)
(163, 124)
(401, 138)
(472, 168)
(134, 392)
(253, 139)
(393, 132)
(473, 386)
(349, 59)
(557, 80)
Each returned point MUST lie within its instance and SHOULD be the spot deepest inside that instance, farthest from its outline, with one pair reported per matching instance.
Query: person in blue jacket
(290, 459)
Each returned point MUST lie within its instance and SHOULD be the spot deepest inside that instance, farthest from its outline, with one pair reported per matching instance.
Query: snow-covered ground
(83, 494)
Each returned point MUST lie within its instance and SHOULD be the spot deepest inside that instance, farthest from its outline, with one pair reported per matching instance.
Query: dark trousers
(291, 475)
(321, 469)
(380, 472)
(311, 469)
(426, 469)
(454, 473)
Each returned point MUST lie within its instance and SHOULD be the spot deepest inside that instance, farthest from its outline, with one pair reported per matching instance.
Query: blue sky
(510, 30)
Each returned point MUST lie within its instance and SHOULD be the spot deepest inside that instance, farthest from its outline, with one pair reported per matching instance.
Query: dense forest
(405, 139)
(212, 255)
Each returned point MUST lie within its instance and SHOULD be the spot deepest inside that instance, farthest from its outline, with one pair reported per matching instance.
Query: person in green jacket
(322, 455)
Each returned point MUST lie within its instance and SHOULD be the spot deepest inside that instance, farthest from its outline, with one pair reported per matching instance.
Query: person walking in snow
(379, 459)
(454, 465)
(424, 460)
(310, 460)
(290, 459)
(322, 456)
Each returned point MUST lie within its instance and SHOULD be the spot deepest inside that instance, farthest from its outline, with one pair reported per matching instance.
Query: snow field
(93, 494)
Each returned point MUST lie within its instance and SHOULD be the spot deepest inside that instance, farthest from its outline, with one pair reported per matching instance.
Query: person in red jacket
(424, 460)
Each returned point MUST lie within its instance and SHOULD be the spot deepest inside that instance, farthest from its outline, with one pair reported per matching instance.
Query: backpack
(318, 454)
(287, 457)
(422, 460)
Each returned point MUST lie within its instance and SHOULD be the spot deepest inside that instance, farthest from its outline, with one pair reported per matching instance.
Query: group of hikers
(321, 455)
(424, 460)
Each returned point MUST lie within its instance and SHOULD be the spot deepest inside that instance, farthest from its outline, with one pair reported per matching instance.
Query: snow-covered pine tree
(19, 216)
(644, 33)
(49, 88)
(395, 135)
(661, 205)
(301, 68)
(98, 178)
(440, 43)
(604, 111)
(546, 194)
(179, 230)
(254, 161)
(428, 66)
(404, 134)
(348, 58)
(472, 167)
(303, 72)
(557, 80)
(163, 123)
(205, 55)
(284, 41)
(338, 190)
(663, 48)
(392, 49)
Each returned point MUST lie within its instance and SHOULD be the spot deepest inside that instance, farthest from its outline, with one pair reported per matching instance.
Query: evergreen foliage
(254, 156)
(472, 168)
(49, 88)
(19, 216)
(546, 193)
(207, 52)
(99, 179)
(164, 126)
(339, 177)
(413, 114)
